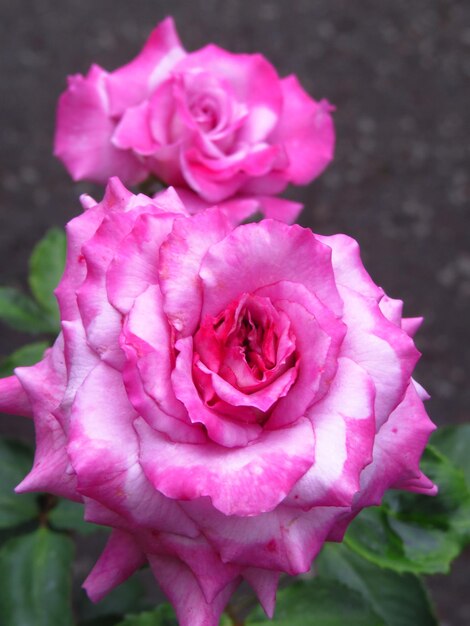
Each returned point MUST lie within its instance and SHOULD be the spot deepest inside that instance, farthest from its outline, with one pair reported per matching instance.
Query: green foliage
(162, 616)
(417, 533)
(399, 599)
(22, 313)
(16, 461)
(29, 354)
(319, 602)
(46, 266)
(454, 443)
(39, 314)
(35, 573)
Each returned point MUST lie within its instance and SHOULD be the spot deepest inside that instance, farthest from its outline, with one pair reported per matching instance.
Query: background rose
(215, 122)
(225, 399)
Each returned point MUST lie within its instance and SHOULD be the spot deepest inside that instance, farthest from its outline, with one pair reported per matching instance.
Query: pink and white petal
(44, 383)
(262, 399)
(135, 263)
(283, 540)
(102, 322)
(240, 481)
(392, 309)
(256, 255)
(120, 559)
(80, 359)
(181, 587)
(145, 404)
(220, 428)
(103, 448)
(383, 349)
(130, 84)
(97, 513)
(117, 199)
(169, 201)
(78, 230)
(180, 261)
(420, 390)
(318, 347)
(411, 325)
(147, 372)
(133, 131)
(212, 574)
(348, 267)
(84, 129)
(264, 583)
(306, 131)
(13, 398)
(344, 427)
(398, 448)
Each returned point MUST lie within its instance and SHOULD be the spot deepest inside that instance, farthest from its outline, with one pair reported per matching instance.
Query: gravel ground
(396, 71)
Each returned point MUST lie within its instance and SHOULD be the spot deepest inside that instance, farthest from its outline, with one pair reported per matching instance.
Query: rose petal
(13, 399)
(184, 592)
(239, 481)
(220, 428)
(253, 81)
(344, 427)
(84, 130)
(264, 583)
(119, 560)
(180, 260)
(305, 130)
(284, 539)
(133, 82)
(384, 350)
(44, 383)
(103, 449)
(133, 131)
(256, 255)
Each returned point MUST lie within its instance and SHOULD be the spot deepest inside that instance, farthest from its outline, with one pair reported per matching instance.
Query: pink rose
(225, 399)
(217, 123)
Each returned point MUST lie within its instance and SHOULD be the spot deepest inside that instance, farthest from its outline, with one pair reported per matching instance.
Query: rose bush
(226, 399)
(217, 123)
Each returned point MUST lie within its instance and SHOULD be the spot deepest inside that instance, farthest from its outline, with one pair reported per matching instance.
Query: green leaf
(102, 620)
(319, 602)
(399, 599)
(29, 354)
(35, 574)
(417, 533)
(16, 461)
(22, 313)
(68, 515)
(162, 616)
(46, 266)
(454, 443)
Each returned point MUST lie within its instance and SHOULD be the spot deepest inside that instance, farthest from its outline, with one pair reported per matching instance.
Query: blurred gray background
(398, 72)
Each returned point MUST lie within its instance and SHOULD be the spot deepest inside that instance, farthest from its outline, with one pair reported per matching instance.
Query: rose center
(249, 345)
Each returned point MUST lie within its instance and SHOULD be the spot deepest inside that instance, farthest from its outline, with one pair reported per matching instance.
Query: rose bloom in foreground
(214, 123)
(225, 399)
